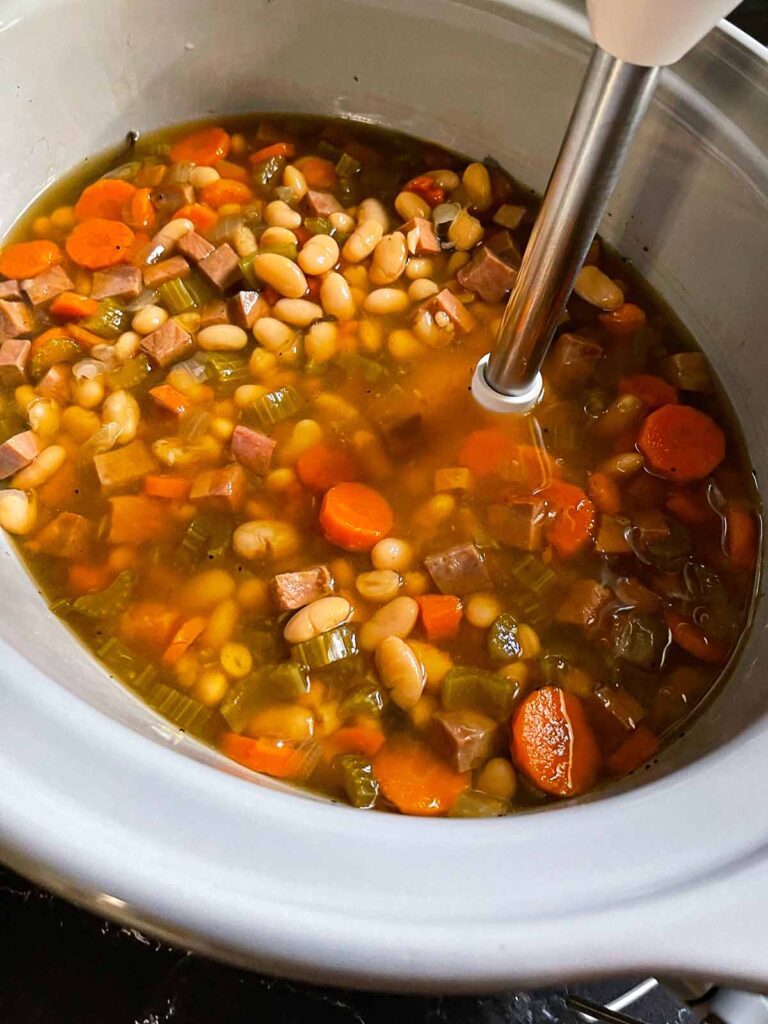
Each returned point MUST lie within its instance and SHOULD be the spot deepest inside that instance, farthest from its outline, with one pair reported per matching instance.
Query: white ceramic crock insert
(101, 800)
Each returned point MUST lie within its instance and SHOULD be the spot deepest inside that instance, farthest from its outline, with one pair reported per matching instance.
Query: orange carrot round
(680, 443)
(71, 306)
(641, 746)
(87, 578)
(353, 739)
(99, 243)
(624, 321)
(355, 517)
(138, 211)
(322, 466)
(225, 191)
(286, 149)
(317, 172)
(553, 743)
(740, 537)
(28, 259)
(415, 780)
(270, 757)
(232, 171)
(605, 493)
(202, 216)
(183, 639)
(651, 390)
(693, 640)
(489, 452)
(441, 615)
(105, 198)
(172, 487)
(205, 146)
(574, 518)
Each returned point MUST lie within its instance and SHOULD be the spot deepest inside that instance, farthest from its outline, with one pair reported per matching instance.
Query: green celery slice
(492, 693)
(131, 375)
(358, 779)
(502, 641)
(327, 648)
(182, 711)
(284, 681)
(364, 700)
(110, 601)
(176, 297)
(223, 368)
(54, 350)
(348, 166)
(126, 665)
(273, 407)
(109, 320)
(318, 225)
(267, 171)
(474, 804)
(288, 249)
(369, 369)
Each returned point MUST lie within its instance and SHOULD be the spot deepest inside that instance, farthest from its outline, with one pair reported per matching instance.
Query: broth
(244, 464)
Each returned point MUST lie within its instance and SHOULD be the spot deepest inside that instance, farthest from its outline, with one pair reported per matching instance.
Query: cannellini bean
(79, 423)
(49, 461)
(210, 687)
(598, 289)
(44, 417)
(422, 289)
(362, 241)
(273, 334)
(342, 222)
(620, 415)
(246, 394)
(262, 363)
(63, 218)
(395, 619)
(392, 554)
(199, 177)
(24, 396)
(243, 241)
(622, 465)
(518, 673)
(186, 669)
(372, 209)
(529, 641)
(389, 259)
(400, 671)
(209, 588)
(253, 595)
(222, 338)
(321, 341)
(449, 180)
(221, 624)
(288, 722)
(336, 297)
(278, 236)
(422, 713)
(379, 586)
(436, 663)
(416, 583)
(122, 408)
(420, 266)
(278, 214)
(88, 383)
(265, 538)
(304, 435)
(320, 254)
(409, 205)
(149, 319)
(318, 617)
(280, 272)
(497, 778)
(465, 231)
(127, 346)
(298, 312)
(456, 262)
(18, 511)
(280, 479)
(428, 331)
(482, 608)
(477, 182)
(295, 181)
(343, 573)
(404, 346)
(383, 301)
(437, 510)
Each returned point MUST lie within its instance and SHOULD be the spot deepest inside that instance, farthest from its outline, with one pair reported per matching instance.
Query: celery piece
(265, 642)
(224, 368)
(272, 408)
(328, 152)
(129, 376)
(266, 172)
(108, 602)
(200, 289)
(246, 269)
(288, 249)
(347, 166)
(531, 572)
(502, 641)
(134, 670)
(62, 607)
(318, 225)
(347, 191)
(358, 779)
(474, 804)
(208, 534)
(492, 693)
(185, 712)
(368, 369)
(176, 297)
(327, 648)
(54, 350)
(284, 681)
(368, 699)
(109, 320)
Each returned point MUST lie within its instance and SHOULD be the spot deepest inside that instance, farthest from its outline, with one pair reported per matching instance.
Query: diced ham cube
(124, 466)
(137, 519)
(504, 245)
(16, 319)
(519, 524)
(10, 290)
(488, 275)
(17, 452)
(468, 738)
(459, 571)
(214, 313)
(167, 270)
(252, 449)
(293, 590)
(55, 383)
(167, 344)
(117, 283)
(321, 204)
(245, 308)
(571, 363)
(47, 286)
(167, 199)
(446, 303)
(194, 246)
(220, 488)
(14, 353)
(69, 536)
(583, 604)
(221, 267)
(420, 237)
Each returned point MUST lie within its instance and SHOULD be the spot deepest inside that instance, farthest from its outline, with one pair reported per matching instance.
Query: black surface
(60, 965)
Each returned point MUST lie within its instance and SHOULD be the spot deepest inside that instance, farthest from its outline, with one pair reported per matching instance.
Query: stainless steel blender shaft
(611, 103)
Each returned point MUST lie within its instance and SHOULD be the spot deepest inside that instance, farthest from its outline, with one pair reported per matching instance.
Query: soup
(244, 465)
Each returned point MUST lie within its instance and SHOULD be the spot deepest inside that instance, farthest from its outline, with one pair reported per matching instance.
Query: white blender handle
(653, 32)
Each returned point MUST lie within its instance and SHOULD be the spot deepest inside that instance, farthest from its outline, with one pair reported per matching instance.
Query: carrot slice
(641, 746)
(691, 507)
(740, 537)
(28, 259)
(415, 780)
(105, 199)
(353, 739)
(86, 339)
(573, 525)
(205, 146)
(286, 149)
(271, 757)
(139, 212)
(99, 243)
(167, 487)
(322, 466)
(355, 517)
(136, 519)
(233, 171)
(680, 443)
(183, 639)
(149, 624)
(441, 615)
(225, 191)
(624, 321)
(71, 306)
(688, 636)
(605, 493)
(85, 578)
(169, 398)
(651, 390)
(491, 453)
(202, 216)
(317, 172)
(553, 743)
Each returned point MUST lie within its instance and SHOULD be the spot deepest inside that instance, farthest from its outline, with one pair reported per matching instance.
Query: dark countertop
(61, 965)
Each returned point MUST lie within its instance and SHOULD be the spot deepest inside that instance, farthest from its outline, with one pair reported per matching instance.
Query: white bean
(449, 180)
(598, 289)
(321, 341)
(379, 586)
(320, 254)
(482, 608)
(362, 241)
(122, 408)
(127, 345)
(395, 619)
(342, 222)
(265, 538)
(422, 289)
(280, 272)
(273, 334)
(199, 177)
(49, 461)
(278, 236)
(44, 417)
(278, 214)
(18, 511)
(336, 297)
(383, 301)
(295, 181)
(372, 209)
(477, 182)
(299, 312)
(392, 553)
(318, 617)
(222, 338)
(149, 319)
(400, 671)
(409, 205)
(389, 259)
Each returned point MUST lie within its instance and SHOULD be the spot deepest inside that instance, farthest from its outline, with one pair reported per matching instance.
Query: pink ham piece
(194, 246)
(167, 199)
(214, 313)
(47, 286)
(16, 319)
(487, 275)
(117, 283)
(321, 204)
(571, 363)
(167, 344)
(17, 452)
(167, 270)
(420, 237)
(124, 466)
(460, 570)
(252, 449)
(10, 290)
(222, 489)
(221, 267)
(445, 302)
(69, 535)
(55, 383)
(14, 353)
(245, 308)
(293, 590)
